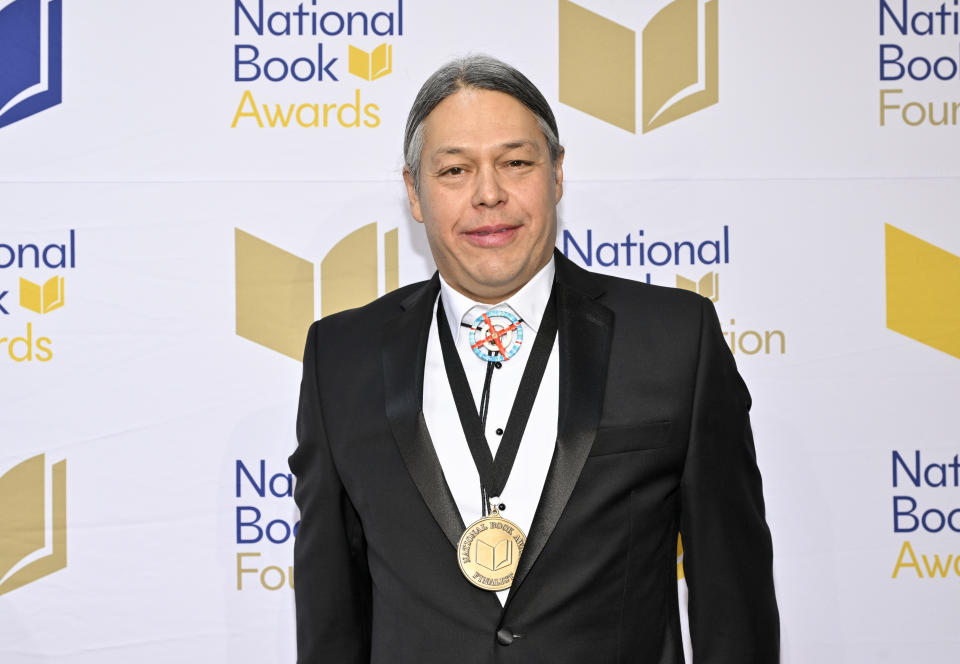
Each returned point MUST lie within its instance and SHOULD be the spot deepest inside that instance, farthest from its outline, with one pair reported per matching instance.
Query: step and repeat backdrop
(185, 186)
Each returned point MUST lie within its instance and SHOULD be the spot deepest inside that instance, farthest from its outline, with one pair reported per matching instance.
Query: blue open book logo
(30, 40)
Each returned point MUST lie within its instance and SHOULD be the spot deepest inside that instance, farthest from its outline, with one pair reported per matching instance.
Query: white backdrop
(154, 401)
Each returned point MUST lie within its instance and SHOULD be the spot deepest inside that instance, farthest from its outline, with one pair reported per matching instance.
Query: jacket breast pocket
(630, 438)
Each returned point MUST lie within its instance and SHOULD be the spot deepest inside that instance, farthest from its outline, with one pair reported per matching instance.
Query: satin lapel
(585, 331)
(404, 349)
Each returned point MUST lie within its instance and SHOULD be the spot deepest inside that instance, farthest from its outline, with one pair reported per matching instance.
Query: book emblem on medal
(489, 551)
(496, 556)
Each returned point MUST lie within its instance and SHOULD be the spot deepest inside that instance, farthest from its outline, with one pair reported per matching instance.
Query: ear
(412, 196)
(559, 171)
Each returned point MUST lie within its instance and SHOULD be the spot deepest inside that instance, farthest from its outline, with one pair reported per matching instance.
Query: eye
(517, 163)
(453, 170)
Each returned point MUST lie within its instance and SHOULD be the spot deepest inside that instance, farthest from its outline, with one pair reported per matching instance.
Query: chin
(495, 281)
(498, 286)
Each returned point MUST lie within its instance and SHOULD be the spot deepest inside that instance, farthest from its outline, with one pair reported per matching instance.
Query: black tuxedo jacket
(653, 439)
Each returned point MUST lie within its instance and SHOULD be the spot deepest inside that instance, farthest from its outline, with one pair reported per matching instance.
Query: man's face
(488, 193)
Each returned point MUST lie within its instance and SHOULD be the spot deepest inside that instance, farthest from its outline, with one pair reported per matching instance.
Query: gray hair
(484, 73)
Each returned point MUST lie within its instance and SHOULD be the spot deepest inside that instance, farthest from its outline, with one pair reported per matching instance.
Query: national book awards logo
(693, 264)
(33, 521)
(32, 288)
(679, 64)
(919, 62)
(275, 292)
(922, 292)
(317, 49)
(30, 71)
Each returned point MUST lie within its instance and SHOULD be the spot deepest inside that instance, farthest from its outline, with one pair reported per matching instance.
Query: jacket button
(504, 636)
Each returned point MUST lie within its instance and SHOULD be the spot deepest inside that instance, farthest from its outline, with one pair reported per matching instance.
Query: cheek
(539, 203)
(440, 226)
(442, 209)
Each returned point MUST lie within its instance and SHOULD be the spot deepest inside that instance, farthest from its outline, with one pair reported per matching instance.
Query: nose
(488, 191)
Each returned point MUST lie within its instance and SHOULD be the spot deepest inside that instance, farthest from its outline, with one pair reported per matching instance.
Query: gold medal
(489, 551)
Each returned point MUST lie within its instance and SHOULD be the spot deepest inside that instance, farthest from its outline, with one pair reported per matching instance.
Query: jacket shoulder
(627, 296)
(621, 291)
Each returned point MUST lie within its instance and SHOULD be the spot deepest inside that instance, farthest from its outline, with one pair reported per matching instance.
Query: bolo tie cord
(483, 411)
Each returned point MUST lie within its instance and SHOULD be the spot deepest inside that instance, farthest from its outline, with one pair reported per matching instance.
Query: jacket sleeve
(728, 555)
(331, 577)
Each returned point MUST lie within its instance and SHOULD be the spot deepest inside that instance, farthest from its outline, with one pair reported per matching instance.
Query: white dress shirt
(522, 491)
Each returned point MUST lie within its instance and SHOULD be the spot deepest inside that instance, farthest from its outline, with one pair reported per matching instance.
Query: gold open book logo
(923, 291)
(275, 288)
(33, 522)
(42, 299)
(371, 66)
(708, 286)
(680, 70)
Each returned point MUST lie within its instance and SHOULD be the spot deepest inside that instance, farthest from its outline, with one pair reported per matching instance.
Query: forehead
(478, 118)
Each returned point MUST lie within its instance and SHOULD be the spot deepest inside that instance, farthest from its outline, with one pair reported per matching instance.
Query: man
(624, 428)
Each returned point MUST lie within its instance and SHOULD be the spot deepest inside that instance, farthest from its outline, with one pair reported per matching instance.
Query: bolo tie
(489, 549)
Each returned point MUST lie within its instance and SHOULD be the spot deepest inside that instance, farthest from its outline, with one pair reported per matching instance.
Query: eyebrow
(512, 145)
(448, 149)
(509, 145)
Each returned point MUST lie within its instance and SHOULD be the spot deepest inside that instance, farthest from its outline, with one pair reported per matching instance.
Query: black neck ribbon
(495, 472)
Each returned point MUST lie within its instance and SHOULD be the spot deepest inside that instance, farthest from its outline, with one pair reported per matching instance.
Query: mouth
(491, 230)
(492, 236)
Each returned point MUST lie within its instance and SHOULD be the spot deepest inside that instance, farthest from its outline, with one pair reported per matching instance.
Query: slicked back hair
(484, 73)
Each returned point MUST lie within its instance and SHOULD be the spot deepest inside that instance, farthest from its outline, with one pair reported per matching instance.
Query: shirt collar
(528, 303)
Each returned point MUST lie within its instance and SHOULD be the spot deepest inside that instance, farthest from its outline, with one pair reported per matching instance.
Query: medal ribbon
(495, 472)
